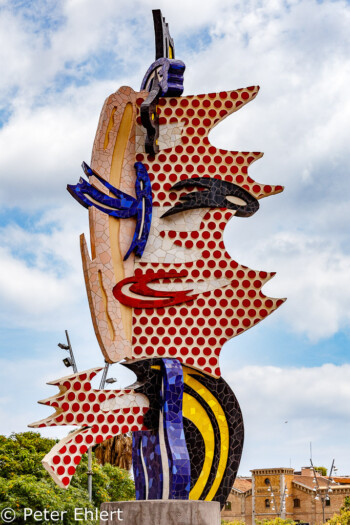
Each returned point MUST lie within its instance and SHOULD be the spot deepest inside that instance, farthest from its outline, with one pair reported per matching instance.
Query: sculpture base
(160, 512)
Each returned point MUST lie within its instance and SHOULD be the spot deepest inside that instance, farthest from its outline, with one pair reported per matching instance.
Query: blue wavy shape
(148, 451)
(122, 205)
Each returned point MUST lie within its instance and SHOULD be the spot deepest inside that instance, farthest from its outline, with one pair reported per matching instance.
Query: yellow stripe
(193, 411)
(105, 305)
(109, 127)
(114, 224)
(223, 428)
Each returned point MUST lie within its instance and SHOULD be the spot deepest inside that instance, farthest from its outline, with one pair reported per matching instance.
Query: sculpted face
(163, 292)
(172, 220)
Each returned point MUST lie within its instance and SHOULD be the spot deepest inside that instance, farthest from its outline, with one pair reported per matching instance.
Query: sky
(59, 61)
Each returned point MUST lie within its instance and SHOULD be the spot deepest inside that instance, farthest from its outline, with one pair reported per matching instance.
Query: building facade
(285, 493)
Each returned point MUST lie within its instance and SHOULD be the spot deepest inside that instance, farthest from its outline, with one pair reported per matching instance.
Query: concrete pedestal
(160, 512)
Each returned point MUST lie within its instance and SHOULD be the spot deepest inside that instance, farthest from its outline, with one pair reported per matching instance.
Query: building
(283, 492)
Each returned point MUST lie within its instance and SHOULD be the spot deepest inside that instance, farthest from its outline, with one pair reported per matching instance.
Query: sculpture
(163, 292)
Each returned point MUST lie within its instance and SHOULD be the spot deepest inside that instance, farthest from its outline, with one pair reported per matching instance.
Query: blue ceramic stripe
(139, 475)
(122, 206)
(147, 452)
(179, 461)
(153, 463)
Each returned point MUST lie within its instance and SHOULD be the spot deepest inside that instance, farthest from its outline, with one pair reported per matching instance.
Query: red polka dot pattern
(195, 156)
(195, 331)
(102, 414)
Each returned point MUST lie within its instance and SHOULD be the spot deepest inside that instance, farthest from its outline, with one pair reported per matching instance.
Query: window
(267, 503)
(228, 505)
(297, 503)
(328, 502)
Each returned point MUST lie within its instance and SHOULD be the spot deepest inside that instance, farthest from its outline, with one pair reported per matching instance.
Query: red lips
(140, 288)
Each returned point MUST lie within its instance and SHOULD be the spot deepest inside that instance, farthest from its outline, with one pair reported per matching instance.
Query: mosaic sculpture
(163, 292)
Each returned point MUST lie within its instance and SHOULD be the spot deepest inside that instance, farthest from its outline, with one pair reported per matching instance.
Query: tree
(234, 522)
(343, 518)
(24, 483)
(346, 505)
(321, 470)
(116, 451)
(276, 521)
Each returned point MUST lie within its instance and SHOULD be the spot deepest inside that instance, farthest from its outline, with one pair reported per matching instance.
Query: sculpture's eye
(236, 200)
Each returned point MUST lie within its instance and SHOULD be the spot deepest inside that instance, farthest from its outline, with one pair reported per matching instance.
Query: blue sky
(60, 60)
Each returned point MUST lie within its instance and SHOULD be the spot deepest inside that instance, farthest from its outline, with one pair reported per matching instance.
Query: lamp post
(104, 380)
(323, 496)
(282, 506)
(70, 361)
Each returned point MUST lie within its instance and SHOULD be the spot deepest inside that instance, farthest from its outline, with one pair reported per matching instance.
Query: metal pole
(89, 473)
(104, 376)
(268, 482)
(75, 369)
(329, 489)
(283, 503)
(318, 490)
(74, 365)
(323, 503)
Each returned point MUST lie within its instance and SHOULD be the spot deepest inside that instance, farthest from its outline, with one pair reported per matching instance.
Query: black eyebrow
(212, 194)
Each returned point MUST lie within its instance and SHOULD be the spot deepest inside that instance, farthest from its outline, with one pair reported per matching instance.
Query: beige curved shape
(113, 158)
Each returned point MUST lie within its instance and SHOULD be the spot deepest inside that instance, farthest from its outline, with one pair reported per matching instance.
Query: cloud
(284, 409)
(61, 60)
(42, 149)
(287, 408)
(311, 273)
(41, 282)
(67, 52)
(27, 385)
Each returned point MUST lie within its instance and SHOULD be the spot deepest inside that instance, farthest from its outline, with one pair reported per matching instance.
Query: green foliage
(321, 470)
(24, 483)
(275, 521)
(343, 518)
(346, 504)
(340, 519)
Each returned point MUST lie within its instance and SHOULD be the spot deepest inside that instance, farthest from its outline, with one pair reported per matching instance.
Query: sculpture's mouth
(134, 291)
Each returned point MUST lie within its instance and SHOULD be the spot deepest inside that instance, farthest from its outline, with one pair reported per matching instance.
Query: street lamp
(69, 361)
(104, 379)
(282, 506)
(111, 380)
(320, 495)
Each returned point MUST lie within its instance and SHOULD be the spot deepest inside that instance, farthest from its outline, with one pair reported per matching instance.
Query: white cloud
(26, 384)
(54, 81)
(41, 282)
(297, 51)
(42, 148)
(311, 272)
(285, 409)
